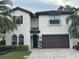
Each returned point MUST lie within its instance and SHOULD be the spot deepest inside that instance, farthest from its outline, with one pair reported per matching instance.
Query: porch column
(40, 41)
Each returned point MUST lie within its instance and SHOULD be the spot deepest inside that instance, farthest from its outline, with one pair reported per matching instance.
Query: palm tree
(73, 21)
(6, 23)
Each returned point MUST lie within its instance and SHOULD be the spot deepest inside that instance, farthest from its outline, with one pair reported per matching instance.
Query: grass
(15, 55)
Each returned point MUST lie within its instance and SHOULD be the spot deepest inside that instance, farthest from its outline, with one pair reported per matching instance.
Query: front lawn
(15, 55)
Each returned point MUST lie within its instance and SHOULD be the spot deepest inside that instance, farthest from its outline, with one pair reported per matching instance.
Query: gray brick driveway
(54, 54)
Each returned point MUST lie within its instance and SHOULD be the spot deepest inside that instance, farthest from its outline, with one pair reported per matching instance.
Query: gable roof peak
(22, 9)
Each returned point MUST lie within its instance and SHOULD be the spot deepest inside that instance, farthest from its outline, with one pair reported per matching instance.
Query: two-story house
(46, 29)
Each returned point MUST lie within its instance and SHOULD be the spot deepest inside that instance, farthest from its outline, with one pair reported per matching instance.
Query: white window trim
(54, 24)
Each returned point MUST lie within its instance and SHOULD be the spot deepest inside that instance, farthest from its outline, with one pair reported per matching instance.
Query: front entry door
(35, 41)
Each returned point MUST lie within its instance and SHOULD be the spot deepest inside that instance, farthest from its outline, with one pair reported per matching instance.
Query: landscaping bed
(14, 52)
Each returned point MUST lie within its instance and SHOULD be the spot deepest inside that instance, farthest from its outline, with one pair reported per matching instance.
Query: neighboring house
(46, 29)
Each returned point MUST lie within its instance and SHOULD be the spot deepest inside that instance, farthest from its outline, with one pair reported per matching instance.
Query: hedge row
(13, 48)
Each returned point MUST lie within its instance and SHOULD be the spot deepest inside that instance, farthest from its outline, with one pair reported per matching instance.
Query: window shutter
(21, 19)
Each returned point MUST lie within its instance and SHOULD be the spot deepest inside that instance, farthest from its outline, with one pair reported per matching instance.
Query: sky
(43, 5)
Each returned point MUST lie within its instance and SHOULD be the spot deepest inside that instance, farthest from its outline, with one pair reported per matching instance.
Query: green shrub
(14, 43)
(13, 48)
(21, 43)
(2, 42)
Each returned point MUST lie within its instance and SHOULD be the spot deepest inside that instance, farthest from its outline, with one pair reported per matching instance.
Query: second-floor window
(54, 20)
(18, 19)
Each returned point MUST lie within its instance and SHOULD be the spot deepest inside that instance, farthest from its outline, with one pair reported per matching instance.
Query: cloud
(34, 5)
(74, 3)
(57, 2)
(41, 5)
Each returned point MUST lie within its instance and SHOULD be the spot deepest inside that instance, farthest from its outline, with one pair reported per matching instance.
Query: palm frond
(6, 24)
(73, 28)
(6, 2)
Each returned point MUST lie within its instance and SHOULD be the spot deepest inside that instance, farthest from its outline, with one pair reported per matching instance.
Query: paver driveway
(54, 54)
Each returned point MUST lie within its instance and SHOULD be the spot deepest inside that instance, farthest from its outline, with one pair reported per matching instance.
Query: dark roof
(51, 12)
(24, 10)
(54, 12)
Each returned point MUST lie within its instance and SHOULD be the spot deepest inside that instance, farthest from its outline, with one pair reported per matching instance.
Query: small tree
(67, 8)
(61, 8)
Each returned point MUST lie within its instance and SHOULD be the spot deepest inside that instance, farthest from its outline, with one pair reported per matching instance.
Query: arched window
(14, 39)
(21, 39)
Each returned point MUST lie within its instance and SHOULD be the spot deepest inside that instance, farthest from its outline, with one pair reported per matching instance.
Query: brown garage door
(55, 41)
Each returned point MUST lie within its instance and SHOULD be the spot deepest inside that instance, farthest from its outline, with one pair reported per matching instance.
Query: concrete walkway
(54, 54)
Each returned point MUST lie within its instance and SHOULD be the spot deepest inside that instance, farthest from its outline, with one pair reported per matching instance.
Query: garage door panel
(55, 41)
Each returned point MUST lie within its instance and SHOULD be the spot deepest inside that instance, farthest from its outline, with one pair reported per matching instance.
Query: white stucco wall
(46, 28)
(34, 24)
(22, 28)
